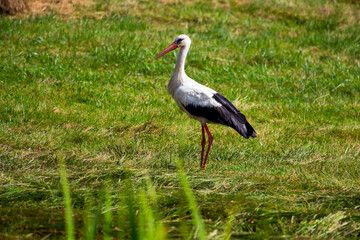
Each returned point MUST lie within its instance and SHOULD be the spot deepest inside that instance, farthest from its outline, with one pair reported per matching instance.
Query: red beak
(168, 49)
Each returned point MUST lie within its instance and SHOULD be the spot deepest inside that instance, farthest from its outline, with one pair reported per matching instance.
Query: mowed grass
(84, 93)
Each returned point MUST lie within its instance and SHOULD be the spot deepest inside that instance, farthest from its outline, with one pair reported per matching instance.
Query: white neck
(180, 63)
(179, 76)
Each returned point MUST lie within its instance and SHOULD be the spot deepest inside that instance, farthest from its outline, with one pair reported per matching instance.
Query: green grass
(70, 234)
(86, 88)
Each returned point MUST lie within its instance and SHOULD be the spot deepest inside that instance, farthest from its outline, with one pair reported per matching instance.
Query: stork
(202, 103)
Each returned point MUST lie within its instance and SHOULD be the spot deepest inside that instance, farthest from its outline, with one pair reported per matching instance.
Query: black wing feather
(227, 114)
(229, 106)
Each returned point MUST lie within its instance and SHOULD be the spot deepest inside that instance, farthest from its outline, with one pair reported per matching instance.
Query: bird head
(180, 41)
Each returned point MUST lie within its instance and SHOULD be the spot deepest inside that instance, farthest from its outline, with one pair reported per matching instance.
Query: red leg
(210, 137)
(202, 144)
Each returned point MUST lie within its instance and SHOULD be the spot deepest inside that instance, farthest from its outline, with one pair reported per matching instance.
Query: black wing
(229, 106)
(227, 114)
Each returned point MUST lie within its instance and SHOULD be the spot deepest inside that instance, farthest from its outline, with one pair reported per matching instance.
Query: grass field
(91, 145)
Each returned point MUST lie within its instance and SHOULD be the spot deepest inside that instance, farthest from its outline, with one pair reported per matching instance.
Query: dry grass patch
(13, 6)
(64, 7)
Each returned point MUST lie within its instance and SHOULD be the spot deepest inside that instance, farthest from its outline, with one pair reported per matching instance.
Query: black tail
(229, 115)
(245, 129)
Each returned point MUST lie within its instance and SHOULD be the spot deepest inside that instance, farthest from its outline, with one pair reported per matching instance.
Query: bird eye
(179, 40)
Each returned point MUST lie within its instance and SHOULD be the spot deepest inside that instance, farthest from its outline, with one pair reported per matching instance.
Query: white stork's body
(200, 102)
